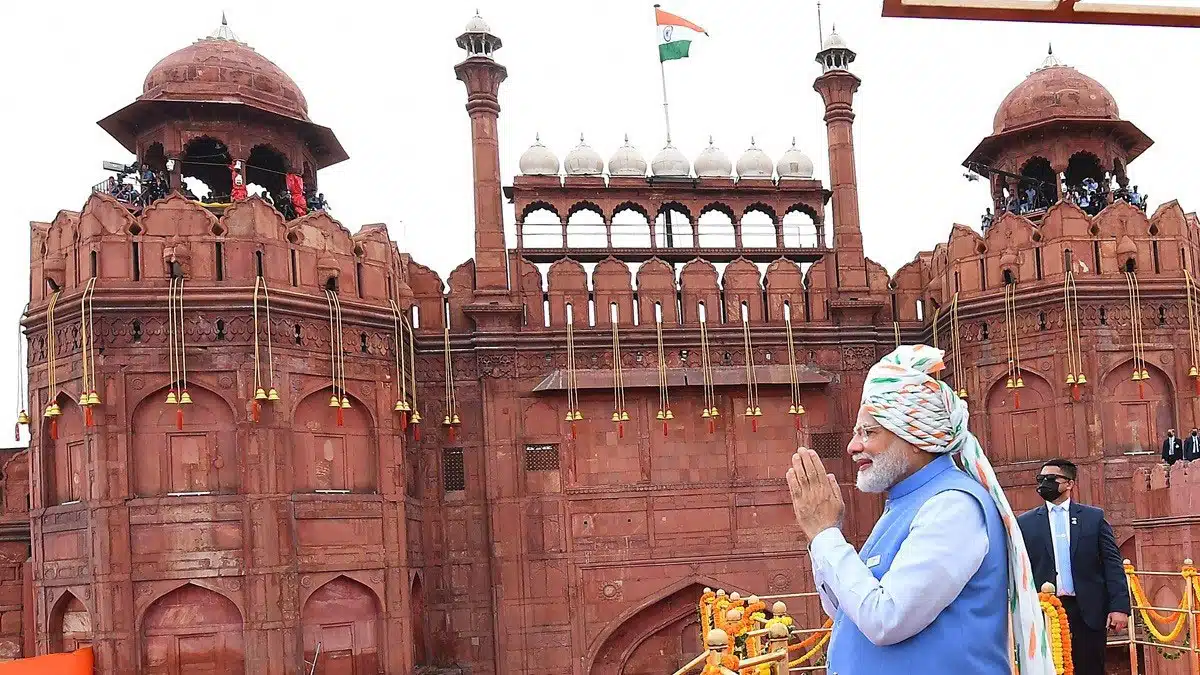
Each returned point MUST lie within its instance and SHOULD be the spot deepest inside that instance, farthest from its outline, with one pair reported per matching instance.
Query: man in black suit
(1172, 451)
(1072, 546)
(1191, 446)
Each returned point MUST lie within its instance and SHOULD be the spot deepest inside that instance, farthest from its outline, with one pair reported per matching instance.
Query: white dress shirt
(946, 543)
(1054, 535)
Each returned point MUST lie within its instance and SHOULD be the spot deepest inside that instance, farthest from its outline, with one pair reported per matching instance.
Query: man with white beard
(944, 574)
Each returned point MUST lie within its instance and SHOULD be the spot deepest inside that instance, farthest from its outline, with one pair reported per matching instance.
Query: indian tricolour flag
(675, 35)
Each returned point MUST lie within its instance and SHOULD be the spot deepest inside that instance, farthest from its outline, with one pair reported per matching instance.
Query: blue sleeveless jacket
(971, 634)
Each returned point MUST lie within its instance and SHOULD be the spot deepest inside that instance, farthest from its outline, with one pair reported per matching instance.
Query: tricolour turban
(904, 397)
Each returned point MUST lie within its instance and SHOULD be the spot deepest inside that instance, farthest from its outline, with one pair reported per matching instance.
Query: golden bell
(704, 413)
(799, 410)
(660, 416)
(272, 394)
(416, 418)
(1145, 374)
(185, 398)
(455, 420)
(963, 394)
(1070, 378)
(345, 402)
(22, 417)
(757, 411)
(616, 416)
(624, 416)
(1020, 383)
(715, 412)
(406, 407)
(670, 415)
(171, 400)
(260, 394)
(46, 412)
(1192, 372)
(54, 410)
(792, 410)
(446, 420)
(578, 415)
(93, 398)
(399, 407)
(1136, 376)
(570, 416)
(1009, 384)
(749, 411)
(1081, 379)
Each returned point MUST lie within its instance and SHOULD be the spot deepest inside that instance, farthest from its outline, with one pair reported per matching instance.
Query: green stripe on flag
(669, 51)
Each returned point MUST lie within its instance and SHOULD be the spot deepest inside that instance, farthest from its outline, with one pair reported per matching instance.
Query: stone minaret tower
(482, 76)
(837, 86)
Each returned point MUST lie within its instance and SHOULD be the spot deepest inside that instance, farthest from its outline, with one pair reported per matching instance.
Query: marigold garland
(1149, 616)
(1060, 633)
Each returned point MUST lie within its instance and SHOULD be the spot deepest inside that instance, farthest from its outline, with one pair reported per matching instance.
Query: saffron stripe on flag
(669, 51)
(668, 19)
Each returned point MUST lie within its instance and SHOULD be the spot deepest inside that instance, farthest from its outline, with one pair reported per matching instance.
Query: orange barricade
(78, 662)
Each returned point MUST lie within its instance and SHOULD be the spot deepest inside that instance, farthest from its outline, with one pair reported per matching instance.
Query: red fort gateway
(262, 441)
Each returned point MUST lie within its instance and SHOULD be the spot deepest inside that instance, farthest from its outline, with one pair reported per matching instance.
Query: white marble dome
(477, 25)
(538, 160)
(834, 41)
(670, 163)
(794, 164)
(713, 162)
(627, 161)
(582, 160)
(754, 163)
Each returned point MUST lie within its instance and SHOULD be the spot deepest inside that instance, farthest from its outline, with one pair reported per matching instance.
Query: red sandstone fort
(255, 431)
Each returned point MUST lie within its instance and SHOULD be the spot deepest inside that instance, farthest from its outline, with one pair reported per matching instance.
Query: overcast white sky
(381, 75)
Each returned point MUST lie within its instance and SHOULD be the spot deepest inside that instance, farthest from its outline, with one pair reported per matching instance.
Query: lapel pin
(1074, 521)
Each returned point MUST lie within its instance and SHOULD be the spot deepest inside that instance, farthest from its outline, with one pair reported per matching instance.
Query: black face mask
(1048, 488)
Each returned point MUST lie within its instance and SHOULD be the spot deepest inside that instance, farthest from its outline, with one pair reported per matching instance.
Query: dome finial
(626, 139)
(710, 139)
(752, 142)
(793, 141)
(223, 32)
(581, 138)
(537, 137)
(1051, 60)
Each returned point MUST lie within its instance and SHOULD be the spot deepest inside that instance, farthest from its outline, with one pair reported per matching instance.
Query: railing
(597, 241)
(1167, 630)
(741, 640)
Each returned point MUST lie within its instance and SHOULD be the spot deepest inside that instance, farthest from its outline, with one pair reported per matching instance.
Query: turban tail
(903, 396)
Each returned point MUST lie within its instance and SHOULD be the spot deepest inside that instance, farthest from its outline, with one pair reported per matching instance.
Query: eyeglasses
(1057, 478)
(863, 432)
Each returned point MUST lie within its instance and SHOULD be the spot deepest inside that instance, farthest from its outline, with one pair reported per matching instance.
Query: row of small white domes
(582, 160)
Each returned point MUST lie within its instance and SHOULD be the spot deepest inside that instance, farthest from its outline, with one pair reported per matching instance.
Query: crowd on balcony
(1090, 195)
(140, 185)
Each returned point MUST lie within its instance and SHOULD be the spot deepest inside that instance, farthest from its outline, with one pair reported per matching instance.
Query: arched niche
(630, 226)
(1020, 434)
(1135, 414)
(205, 169)
(65, 454)
(715, 226)
(192, 631)
(652, 639)
(567, 284)
(266, 169)
(673, 227)
(785, 286)
(585, 226)
(200, 457)
(328, 457)
(70, 626)
(416, 601)
(343, 617)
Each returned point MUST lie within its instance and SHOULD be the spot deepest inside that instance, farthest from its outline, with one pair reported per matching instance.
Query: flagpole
(662, 70)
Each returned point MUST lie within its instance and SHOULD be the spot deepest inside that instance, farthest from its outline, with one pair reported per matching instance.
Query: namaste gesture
(816, 497)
